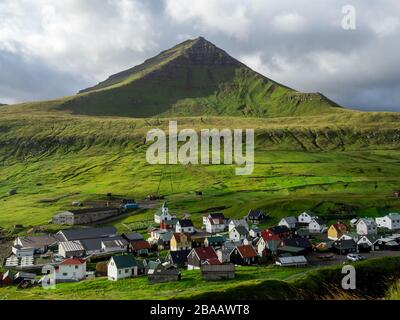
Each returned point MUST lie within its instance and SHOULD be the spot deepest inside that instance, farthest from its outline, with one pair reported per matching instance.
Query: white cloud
(386, 27)
(71, 36)
(227, 16)
(290, 22)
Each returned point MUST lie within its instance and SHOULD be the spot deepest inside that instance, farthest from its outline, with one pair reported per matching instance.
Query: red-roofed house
(140, 247)
(70, 270)
(199, 256)
(337, 230)
(243, 255)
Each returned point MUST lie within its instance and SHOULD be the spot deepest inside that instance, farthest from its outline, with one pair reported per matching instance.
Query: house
(236, 223)
(336, 230)
(214, 241)
(162, 238)
(199, 256)
(366, 226)
(387, 243)
(243, 255)
(353, 222)
(140, 248)
(68, 249)
(24, 246)
(390, 221)
(255, 232)
(396, 194)
(122, 267)
(306, 217)
(86, 233)
(217, 271)
(224, 254)
(317, 225)
(344, 246)
(282, 232)
(129, 204)
(70, 270)
(163, 214)
(256, 216)
(181, 241)
(161, 275)
(268, 243)
(198, 240)
(85, 216)
(295, 246)
(178, 258)
(303, 233)
(214, 222)
(289, 222)
(367, 243)
(238, 233)
(296, 261)
(169, 224)
(350, 236)
(184, 226)
(101, 246)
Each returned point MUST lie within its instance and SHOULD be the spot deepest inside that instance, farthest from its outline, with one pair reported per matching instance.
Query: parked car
(355, 257)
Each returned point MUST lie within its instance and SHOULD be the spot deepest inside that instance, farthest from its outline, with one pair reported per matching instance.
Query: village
(216, 248)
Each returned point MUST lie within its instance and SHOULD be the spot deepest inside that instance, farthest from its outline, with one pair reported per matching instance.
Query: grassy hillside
(190, 79)
(331, 163)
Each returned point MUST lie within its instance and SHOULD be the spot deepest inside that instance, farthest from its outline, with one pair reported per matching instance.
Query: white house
(306, 217)
(238, 234)
(369, 241)
(122, 267)
(71, 269)
(67, 249)
(214, 222)
(20, 252)
(390, 221)
(236, 223)
(184, 226)
(163, 214)
(290, 222)
(317, 225)
(255, 232)
(366, 226)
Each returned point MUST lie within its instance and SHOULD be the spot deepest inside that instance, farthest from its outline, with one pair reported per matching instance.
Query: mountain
(2, 104)
(193, 78)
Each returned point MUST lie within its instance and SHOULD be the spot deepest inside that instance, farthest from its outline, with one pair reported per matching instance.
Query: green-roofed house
(122, 267)
(214, 241)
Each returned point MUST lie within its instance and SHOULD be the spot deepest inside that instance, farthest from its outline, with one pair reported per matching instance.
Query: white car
(355, 257)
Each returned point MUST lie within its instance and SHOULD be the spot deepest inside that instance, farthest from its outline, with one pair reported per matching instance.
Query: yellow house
(181, 241)
(336, 230)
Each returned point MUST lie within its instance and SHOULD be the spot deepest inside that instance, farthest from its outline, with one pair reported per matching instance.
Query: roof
(38, 241)
(95, 244)
(72, 246)
(256, 214)
(291, 249)
(213, 261)
(90, 210)
(293, 260)
(393, 215)
(125, 261)
(319, 221)
(367, 221)
(340, 227)
(217, 216)
(290, 220)
(185, 223)
(72, 262)
(241, 230)
(246, 251)
(87, 233)
(133, 236)
(372, 237)
(297, 242)
(215, 239)
(308, 212)
(140, 245)
(267, 235)
(278, 229)
(344, 244)
(114, 243)
(205, 253)
(178, 237)
(179, 257)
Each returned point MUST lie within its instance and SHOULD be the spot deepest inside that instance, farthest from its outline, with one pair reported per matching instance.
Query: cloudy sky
(52, 48)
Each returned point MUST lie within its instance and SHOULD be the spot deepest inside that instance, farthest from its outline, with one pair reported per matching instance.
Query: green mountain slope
(192, 78)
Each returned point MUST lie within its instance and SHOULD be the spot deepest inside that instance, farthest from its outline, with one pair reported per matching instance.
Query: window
(119, 271)
(126, 271)
(65, 274)
(76, 267)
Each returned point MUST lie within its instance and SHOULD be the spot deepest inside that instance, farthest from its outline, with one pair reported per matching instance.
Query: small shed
(296, 261)
(160, 275)
(217, 271)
